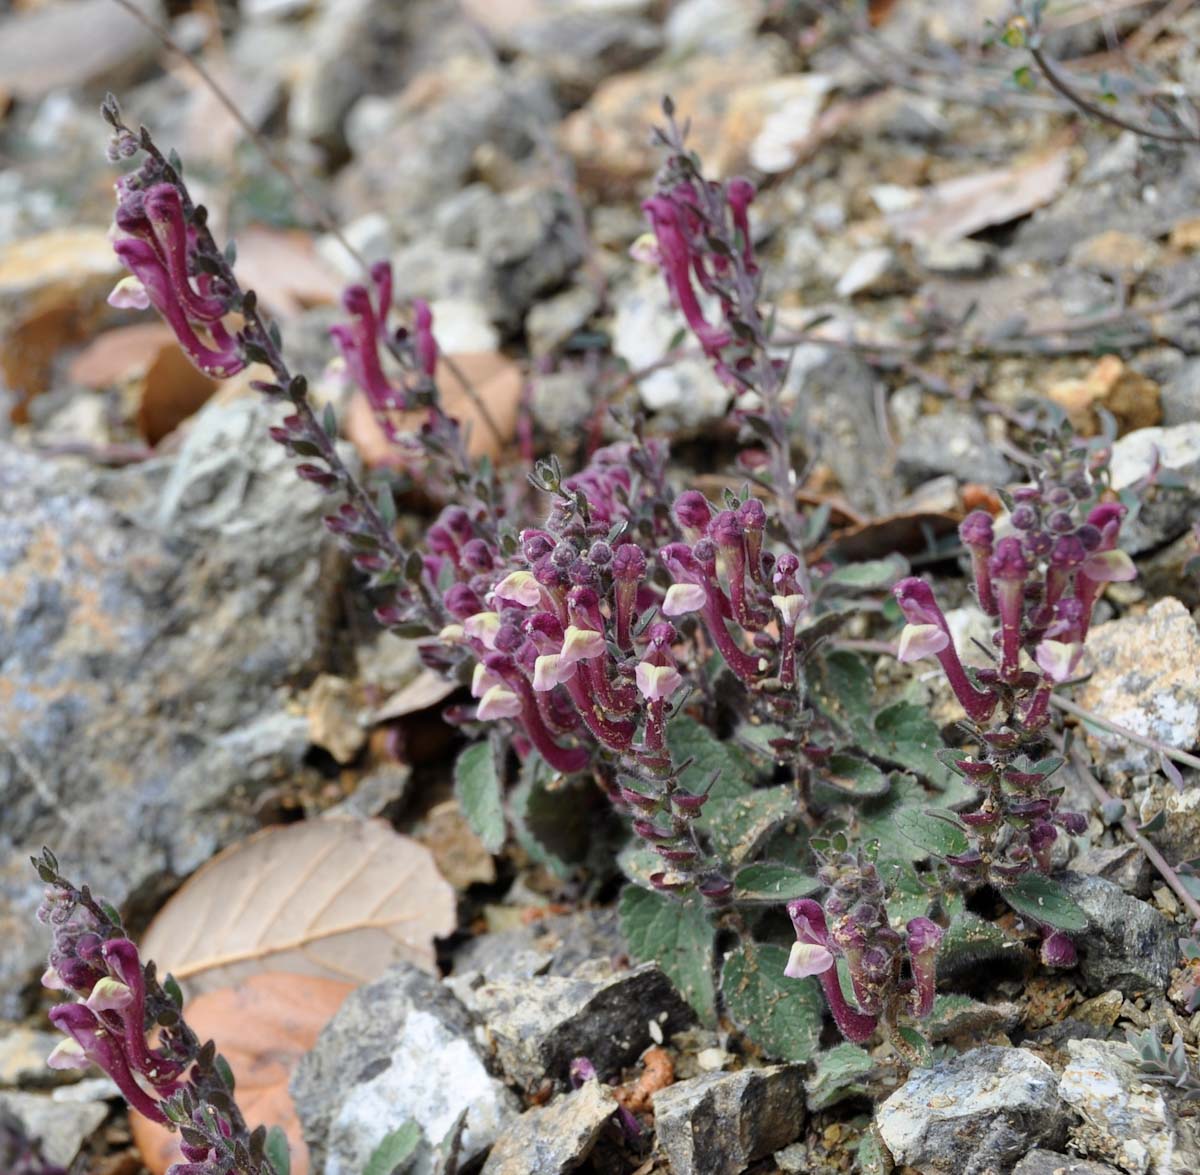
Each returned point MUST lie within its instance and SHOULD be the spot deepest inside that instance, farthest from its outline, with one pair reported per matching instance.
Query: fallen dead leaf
(958, 207)
(338, 899)
(497, 383)
(333, 710)
(262, 1027)
(425, 690)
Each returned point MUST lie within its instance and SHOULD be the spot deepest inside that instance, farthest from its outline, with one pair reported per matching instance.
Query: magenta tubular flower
(125, 965)
(977, 536)
(808, 920)
(628, 571)
(924, 938)
(657, 679)
(427, 348)
(1057, 950)
(164, 213)
(726, 531)
(790, 602)
(753, 517)
(740, 193)
(693, 512)
(103, 1049)
(1066, 555)
(1009, 570)
(665, 217)
(917, 602)
(140, 258)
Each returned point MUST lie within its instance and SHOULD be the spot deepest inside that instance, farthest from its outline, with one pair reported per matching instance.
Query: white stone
(794, 103)
(866, 272)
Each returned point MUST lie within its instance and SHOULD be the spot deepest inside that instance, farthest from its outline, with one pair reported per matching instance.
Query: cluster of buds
(704, 247)
(119, 1004)
(574, 639)
(1039, 581)
(852, 924)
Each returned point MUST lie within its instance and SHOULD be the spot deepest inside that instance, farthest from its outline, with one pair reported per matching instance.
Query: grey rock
(558, 945)
(950, 442)
(1125, 1119)
(81, 43)
(1167, 572)
(23, 1053)
(400, 1048)
(531, 246)
(1043, 1162)
(561, 403)
(62, 1127)
(1125, 865)
(1129, 945)
(835, 395)
(1144, 677)
(437, 125)
(1175, 815)
(719, 1123)
(151, 623)
(974, 1113)
(551, 322)
(965, 256)
(555, 1138)
(1181, 395)
(1164, 513)
(539, 1025)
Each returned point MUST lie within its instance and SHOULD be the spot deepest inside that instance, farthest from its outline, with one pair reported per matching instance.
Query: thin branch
(1168, 874)
(1060, 83)
(1142, 740)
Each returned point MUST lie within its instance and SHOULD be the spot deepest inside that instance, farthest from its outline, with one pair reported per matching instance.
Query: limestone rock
(62, 1127)
(400, 1048)
(1146, 674)
(1117, 388)
(974, 1113)
(719, 1123)
(1129, 945)
(1126, 1119)
(555, 1138)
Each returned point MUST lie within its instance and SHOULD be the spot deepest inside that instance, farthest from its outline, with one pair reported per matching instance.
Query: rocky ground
(183, 660)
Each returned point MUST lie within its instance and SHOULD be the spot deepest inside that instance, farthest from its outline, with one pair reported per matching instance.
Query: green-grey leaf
(478, 789)
(970, 940)
(1045, 901)
(876, 820)
(838, 1074)
(770, 882)
(737, 825)
(782, 1016)
(687, 739)
(277, 1151)
(870, 1160)
(935, 830)
(678, 936)
(868, 576)
(639, 863)
(907, 735)
(907, 897)
(395, 1154)
(853, 775)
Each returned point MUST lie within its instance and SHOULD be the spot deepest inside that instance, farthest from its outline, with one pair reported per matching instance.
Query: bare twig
(1168, 874)
(1142, 740)
(1059, 82)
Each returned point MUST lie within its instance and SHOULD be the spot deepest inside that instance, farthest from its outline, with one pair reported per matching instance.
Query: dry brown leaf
(425, 690)
(283, 268)
(496, 381)
(262, 1028)
(171, 388)
(339, 899)
(958, 207)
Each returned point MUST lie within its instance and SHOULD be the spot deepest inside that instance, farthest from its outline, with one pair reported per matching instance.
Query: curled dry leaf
(425, 690)
(338, 899)
(496, 382)
(262, 1027)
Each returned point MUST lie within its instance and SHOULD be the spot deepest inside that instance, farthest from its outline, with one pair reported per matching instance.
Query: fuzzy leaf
(871, 575)
(877, 820)
(639, 862)
(907, 897)
(554, 820)
(770, 882)
(907, 735)
(479, 791)
(395, 1154)
(837, 1075)
(869, 1160)
(782, 1016)
(852, 775)
(737, 825)
(1045, 901)
(935, 830)
(679, 937)
(687, 739)
(970, 940)
(277, 1152)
